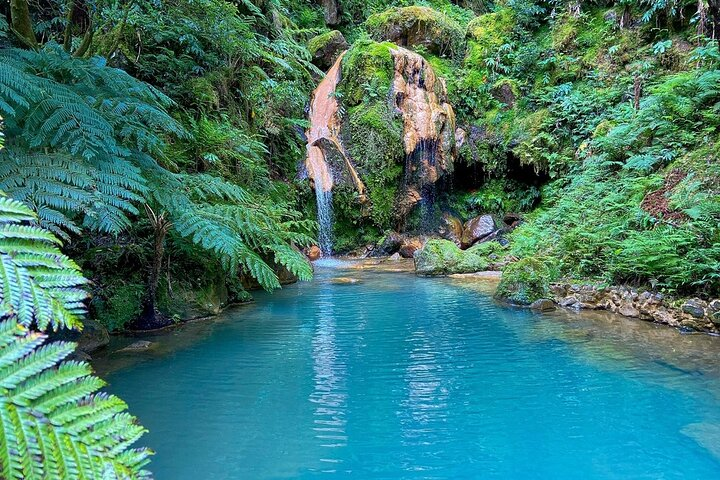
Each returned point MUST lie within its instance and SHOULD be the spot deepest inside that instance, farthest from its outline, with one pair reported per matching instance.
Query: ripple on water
(412, 378)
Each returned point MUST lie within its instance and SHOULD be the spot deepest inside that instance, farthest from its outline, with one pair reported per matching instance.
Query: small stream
(400, 377)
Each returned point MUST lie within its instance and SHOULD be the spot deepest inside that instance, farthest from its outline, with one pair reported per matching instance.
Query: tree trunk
(151, 317)
(21, 23)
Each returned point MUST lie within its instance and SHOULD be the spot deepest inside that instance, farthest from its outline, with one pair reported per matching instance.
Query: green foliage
(500, 196)
(526, 280)
(39, 285)
(53, 422)
(418, 25)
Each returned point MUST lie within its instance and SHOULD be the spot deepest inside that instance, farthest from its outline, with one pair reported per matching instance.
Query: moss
(415, 26)
(565, 32)
(525, 281)
(123, 304)
(321, 41)
(367, 70)
(443, 257)
(488, 32)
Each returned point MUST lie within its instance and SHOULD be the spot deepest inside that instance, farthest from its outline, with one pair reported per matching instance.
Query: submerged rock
(139, 346)
(345, 280)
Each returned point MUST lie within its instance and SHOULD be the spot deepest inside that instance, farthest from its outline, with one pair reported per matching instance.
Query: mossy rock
(325, 48)
(525, 281)
(417, 26)
(443, 257)
(367, 72)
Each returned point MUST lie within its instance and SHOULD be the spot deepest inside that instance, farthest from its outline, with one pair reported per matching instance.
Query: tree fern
(53, 422)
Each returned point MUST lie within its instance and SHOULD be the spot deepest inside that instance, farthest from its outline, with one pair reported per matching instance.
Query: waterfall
(325, 220)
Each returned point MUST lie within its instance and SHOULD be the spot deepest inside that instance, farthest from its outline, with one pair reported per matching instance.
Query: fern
(38, 284)
(53, 422)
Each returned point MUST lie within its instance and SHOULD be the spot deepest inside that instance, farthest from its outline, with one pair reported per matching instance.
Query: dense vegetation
(160, 142)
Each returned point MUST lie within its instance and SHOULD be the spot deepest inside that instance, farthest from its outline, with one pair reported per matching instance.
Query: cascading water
(325, 221)
(324, 133)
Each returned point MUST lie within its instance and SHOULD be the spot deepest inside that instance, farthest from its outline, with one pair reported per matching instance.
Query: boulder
(416, 26)
(527, 280)
(543, 305)
(389, 244)
(410, 246)
(94, 336)
(395, 256)
(695, 307)
(313, 253)
(326, 48)
(443, 257)
(477, 229)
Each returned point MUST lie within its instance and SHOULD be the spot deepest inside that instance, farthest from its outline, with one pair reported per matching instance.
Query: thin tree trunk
(151, 317)
(21, 23)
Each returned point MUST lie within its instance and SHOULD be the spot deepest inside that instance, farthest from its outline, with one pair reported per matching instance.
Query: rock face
(476, 229)
(417, 26)
(420, 97)
(323, 136)
(452, 229)
(693, 314)
(410, 246)
(326, 48)
(331, 11)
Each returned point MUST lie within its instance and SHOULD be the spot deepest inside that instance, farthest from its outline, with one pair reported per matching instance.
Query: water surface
(399, 377)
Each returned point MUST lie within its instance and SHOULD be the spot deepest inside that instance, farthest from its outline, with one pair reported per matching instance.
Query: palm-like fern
(82, 150)
(53, 422)
(78, 133)
(38, 284)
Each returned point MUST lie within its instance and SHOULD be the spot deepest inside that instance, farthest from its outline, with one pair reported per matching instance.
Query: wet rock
(543, 305)
(416, 26)
(344, 281)
(695, 307)
(94, 336)
(476, 229)
(410, 246)
(505, 92)
(139, 346)
(326, 48)
(460, 136)
(389, 244)
(313, 253)
(395, 256)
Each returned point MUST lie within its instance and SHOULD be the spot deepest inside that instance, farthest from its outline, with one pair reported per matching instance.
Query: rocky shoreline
(692, 314)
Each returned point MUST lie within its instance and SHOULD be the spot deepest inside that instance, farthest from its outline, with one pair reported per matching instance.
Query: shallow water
(412, 378)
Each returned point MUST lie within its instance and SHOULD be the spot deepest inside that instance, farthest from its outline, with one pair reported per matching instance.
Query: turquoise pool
(399, 377)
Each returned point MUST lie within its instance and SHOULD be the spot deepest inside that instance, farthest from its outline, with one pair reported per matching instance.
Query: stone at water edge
(313, 253)
(389, 244)
(410, 246)
(476, 229)
(94, 336)
(543, 305)
(695, 307)
(395, 256)
(344, 281)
